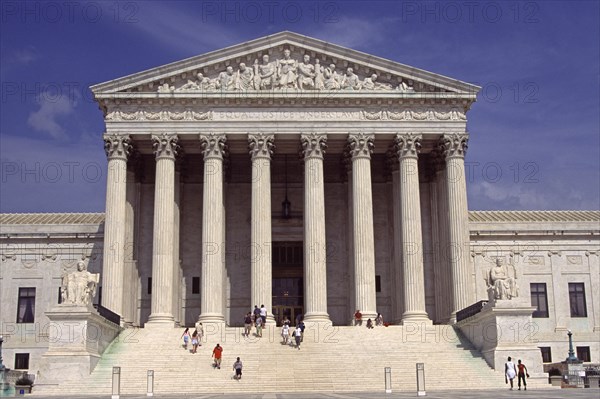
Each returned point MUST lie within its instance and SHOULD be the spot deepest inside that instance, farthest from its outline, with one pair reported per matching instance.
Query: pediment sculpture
(286, 73)
(79, 287)
(501, 281)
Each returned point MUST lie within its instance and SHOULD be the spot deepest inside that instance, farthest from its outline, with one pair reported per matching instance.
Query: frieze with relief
(289, 72)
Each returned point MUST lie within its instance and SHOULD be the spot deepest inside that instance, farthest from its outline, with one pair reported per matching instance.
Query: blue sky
(534, 131)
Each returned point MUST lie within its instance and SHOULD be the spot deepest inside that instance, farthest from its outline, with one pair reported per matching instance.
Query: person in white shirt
(298, 336)
(510, 372)
(285, 333)
(237, 366)
(263, 314)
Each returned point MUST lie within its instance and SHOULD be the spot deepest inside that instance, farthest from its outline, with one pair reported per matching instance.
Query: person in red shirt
(522, 373)
(217, 355)
(357, 318)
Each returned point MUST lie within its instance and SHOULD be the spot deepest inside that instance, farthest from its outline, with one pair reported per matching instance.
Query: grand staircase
(330, 359)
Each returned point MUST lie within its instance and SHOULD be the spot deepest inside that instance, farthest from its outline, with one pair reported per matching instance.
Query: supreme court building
(307, 177)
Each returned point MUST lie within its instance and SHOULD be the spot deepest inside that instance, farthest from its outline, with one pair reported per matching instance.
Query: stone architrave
(453, 147)
(261, 149)
(118, 149)
(165, 150)
(213, 233)
(78, 288)
(361, 147)
(408, 147)
(315, 249)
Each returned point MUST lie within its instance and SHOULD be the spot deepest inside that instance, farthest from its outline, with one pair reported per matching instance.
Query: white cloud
(51, 108)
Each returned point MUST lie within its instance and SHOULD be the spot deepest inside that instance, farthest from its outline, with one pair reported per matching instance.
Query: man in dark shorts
(237, 366)
(217, 352)
(522, 372)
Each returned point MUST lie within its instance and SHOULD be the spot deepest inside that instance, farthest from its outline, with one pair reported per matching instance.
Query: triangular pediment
(284, 62)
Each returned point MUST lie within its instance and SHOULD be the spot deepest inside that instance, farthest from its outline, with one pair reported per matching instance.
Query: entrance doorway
(288, 280)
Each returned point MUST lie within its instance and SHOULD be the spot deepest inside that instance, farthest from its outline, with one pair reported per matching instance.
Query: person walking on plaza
(522, 374)
(237, 366)
(247, 324)
(186, 338)
(259, 326)
(194, 341)
(509, 372)
(298, 336)
(216, 354)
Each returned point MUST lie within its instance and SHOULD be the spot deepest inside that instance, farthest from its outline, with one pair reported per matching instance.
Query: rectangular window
(21, 361)
(577, 300)
(546, 354)
(377, 283)
(583, 353)
(195, 285)
(539, 299)
(26, 305)
(149, 285)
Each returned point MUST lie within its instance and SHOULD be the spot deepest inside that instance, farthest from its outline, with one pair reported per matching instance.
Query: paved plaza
(504, 394)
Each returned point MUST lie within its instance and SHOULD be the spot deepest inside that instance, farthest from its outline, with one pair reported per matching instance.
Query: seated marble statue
(350, 80)
(79, 287)
(404, 87)
(244, 78)
(370, 83)
(501, 281)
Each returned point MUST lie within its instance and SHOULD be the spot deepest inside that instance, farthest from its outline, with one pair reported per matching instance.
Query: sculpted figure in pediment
(404, 87)
(319, 79)
(332, 78)
(370, 83)
(306, 74)
(350, 81)
(286, 69)
(265, 74)
(244, 78)
(226, 79)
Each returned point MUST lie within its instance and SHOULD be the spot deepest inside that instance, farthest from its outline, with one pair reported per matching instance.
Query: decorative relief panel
(574, 260)
(534, 260)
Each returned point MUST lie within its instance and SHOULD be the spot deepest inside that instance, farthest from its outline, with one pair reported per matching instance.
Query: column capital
(408, 145)
(361, 145)
(313, 145)
(454, 145)
(165, 146)
(117, 146)
(261, 145)
(213, 145)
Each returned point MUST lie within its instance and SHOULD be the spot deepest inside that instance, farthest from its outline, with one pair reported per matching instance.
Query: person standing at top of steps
(256, 313)
(509, 372)
(217, 352)
(522, 373)
(379, 319)
(194, 341)
(357, 318)
(200, 329)
(263, 314)
(237, 366)
(186, 337)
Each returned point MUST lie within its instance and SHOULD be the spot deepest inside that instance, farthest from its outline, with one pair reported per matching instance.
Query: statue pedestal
(504, 328)
(77, 336)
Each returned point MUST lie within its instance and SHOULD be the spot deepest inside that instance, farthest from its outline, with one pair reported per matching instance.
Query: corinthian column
(117, 150)
(453, 148)
(361, 147)
(213, 230)
(408, 147)
(261, 149)
(165, 150)
(315, 262)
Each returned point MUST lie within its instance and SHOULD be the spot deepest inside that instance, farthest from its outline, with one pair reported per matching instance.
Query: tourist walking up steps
(200, 329)
(298, 336)
(194, 341)
(522, 369)
(237, 366)
(259, 326)
(247, 324)
(509, 372)
(285, 333)
(217, 353)
(186, 338)
(263, 314)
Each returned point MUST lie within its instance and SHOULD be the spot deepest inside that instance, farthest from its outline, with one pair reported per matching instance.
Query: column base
(416, 317)
(161, 319)
(216, 318)
(317, 317)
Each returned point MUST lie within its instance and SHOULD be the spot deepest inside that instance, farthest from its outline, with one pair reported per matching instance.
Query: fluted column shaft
(261, 149)
(113, 272)
(408, 148)
(315, 250)
(361, 146)
(165, 150)
(213, 232)
(454, 147)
